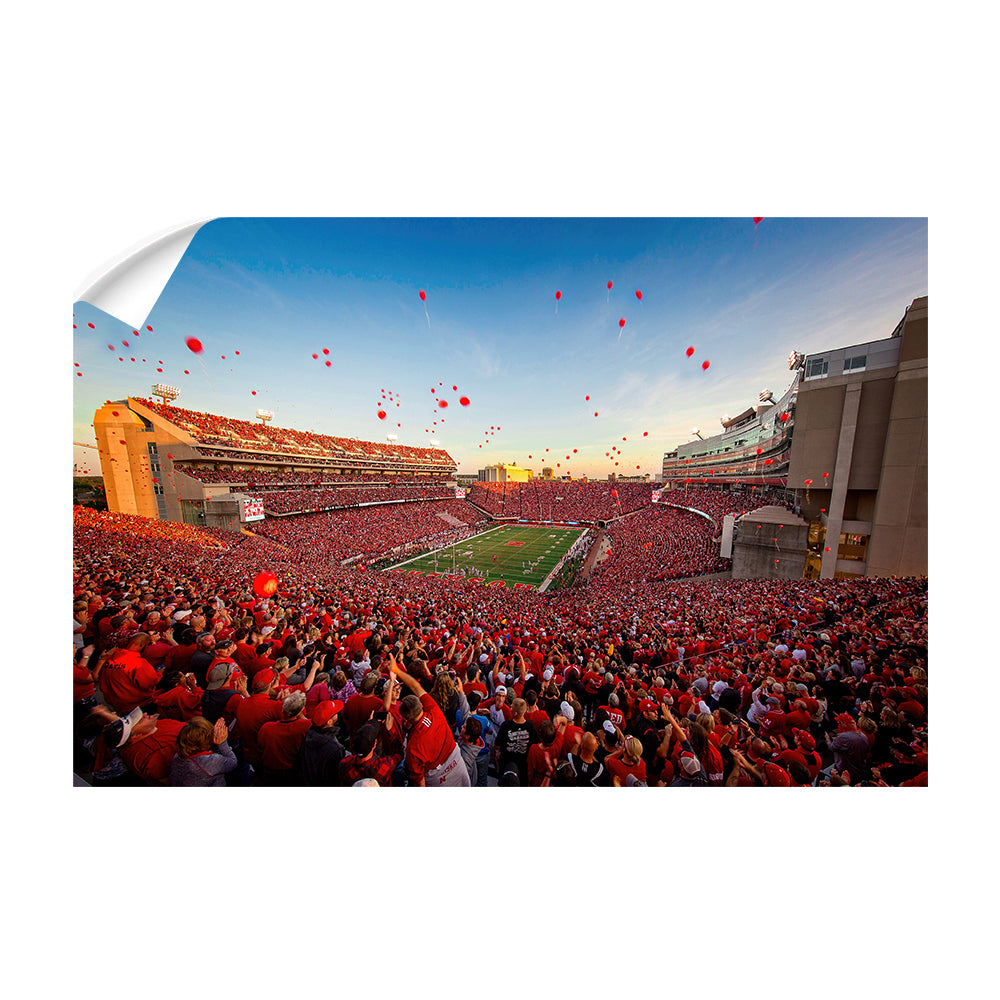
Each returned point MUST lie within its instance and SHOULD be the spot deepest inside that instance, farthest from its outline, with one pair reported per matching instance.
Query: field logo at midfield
(513, 543)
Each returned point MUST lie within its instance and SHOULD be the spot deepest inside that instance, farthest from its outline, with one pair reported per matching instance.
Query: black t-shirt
(513, 742)
(594, 773)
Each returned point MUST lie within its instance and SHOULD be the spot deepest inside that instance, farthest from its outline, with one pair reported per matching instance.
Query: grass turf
(542, 545)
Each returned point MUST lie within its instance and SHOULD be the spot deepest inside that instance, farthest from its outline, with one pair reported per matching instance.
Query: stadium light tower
(165, 392)
(264, 416)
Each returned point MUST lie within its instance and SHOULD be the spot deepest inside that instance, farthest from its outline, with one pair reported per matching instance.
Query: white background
(124, 120)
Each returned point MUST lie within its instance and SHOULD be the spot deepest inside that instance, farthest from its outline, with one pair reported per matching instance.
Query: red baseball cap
(326, 710)
(777, 776)
(647, 705)
(263, 678)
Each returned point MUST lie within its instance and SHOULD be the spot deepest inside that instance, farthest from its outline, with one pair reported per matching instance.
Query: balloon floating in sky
(265, 584)
(558, 295)
(689, 351)
(381, 414)
(621, 322)
(194, 344)
(704, 365)
(464, 401)
(595, 413)
(757, 220)
(645, 434)
(423, 295)
(638, 294)
(808, 482)
(442, 403)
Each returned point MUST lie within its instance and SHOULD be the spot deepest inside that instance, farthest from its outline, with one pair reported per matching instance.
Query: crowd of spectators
(718, 503)
(660, 543)
(212, 429)
(561, 500)
(372, 532)
(264, 479)
(183, 676)
(295, 501)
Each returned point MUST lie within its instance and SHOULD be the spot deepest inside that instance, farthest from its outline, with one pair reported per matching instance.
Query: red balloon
(689, 351)
(621, 322)
(326, 350)
(808, 482)
(111, 347)
(645, 434)
(574, 452)
(194, 344)
(464, 401)
(186, 372)
(381, 414)
(704, 365)
(529, 456)
(253, 392)
(588, 397)
(442, 403)
(329, 364)
(150, 329)
(91, 325)
(825, 474)
(637, 466)
(609, 284)
(757, 219)
(638, 294)
(454, 388)
(315, 356)
(759, 451)
(784, 417)
(558, 296)
(236, 352)
(423, 295)
(265, 584)
(595, 413)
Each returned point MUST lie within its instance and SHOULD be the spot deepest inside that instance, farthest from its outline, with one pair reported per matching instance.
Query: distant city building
(503, 473)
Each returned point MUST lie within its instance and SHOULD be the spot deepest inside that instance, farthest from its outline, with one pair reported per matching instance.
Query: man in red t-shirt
(281, 740)
(127, 679)
(433, 758)
(252, 713)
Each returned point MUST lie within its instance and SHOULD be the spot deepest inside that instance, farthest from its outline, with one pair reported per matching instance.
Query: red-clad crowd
(212, 429)
(718, 503)
(300, 501)
(561, 500)
(658, 543)
(373, 532)
(182, 675)
(258, 479)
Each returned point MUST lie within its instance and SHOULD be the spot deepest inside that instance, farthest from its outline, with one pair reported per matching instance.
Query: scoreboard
(252, 509)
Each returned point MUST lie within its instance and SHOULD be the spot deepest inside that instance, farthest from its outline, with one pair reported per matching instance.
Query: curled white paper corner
(128, 286)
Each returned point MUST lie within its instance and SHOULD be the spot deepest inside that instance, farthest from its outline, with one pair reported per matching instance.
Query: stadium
(271, 606)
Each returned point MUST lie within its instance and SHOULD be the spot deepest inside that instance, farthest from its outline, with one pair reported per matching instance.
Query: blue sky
(279, 290)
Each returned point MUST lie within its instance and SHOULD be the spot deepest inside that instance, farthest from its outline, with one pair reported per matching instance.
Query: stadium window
(817, 367)
(856, 363)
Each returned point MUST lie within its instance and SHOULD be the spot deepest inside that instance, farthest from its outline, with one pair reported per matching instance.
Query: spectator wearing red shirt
(179, 696)
(280, 741)
(127, 679)
(626, 760)
(151, 747)
(433, 758)
(252, 713)
(359, 708)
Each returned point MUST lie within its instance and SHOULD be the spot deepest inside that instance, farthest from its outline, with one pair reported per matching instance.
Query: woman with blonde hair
(626, 760)
(204, 756)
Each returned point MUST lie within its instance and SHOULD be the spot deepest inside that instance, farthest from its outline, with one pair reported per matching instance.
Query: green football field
(498, 554)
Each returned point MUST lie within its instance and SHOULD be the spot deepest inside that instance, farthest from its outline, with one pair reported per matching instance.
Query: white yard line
(443, 548)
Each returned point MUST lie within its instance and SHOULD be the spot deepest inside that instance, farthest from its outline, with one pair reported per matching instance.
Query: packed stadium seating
(844, 660)
(254, 438)
(561, 500)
